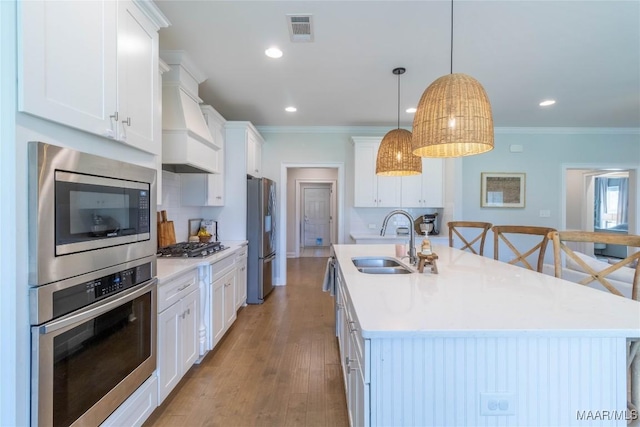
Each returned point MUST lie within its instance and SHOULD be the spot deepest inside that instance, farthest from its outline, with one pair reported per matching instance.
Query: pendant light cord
(451, 65)
(398, 100)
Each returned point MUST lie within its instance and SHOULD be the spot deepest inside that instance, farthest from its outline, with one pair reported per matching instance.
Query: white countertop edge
(169, 268)
(505, 333)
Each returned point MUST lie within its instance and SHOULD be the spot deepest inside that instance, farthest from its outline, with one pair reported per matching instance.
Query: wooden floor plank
(278, 365)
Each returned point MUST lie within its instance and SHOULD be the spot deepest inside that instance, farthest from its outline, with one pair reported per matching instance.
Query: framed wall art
(502, 190)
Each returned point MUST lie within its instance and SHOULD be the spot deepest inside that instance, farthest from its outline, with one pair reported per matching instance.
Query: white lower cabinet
(241, 277)
(353, 354)
(178, 322)
(223, 298)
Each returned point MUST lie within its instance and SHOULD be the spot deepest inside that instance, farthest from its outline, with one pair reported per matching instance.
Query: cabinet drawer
(242, 253)
(173, 291)
(220, 268)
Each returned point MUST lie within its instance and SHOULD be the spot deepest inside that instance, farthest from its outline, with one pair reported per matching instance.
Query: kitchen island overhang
(483, 328)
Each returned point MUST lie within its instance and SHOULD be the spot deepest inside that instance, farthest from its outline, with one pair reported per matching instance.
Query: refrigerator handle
(270, 257)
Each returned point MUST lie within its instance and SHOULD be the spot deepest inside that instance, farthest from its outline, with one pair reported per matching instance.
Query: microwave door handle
(96, 310)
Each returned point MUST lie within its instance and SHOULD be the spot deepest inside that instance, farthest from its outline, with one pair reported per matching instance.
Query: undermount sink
(380, 265)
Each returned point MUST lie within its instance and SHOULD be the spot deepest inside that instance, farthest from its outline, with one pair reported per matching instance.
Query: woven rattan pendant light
(453, 118)
(395, 157)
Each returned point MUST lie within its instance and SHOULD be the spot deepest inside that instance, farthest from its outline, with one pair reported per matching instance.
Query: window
(611, 203)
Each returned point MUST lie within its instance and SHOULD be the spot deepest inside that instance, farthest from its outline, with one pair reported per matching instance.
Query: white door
(317, 216)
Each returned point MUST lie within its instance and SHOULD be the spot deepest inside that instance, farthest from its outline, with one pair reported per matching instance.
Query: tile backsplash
(180, 215)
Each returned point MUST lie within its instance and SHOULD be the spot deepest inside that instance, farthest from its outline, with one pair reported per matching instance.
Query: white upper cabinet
(371, 190)
(245, 145)
(254, 153)
(425, 190)
(103, 82)
(416, 191)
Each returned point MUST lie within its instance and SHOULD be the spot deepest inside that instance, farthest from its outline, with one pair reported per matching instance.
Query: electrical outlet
(372, 226)
(497, 404)
(545, 213)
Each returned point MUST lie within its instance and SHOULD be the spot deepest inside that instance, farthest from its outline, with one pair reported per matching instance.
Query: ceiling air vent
(300, 28)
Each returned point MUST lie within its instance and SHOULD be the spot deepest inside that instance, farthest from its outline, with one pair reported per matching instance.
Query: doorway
(315, 215)
(289, 234)
(588, 202)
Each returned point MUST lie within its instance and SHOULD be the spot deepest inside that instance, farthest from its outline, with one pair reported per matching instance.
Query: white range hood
(187, 144)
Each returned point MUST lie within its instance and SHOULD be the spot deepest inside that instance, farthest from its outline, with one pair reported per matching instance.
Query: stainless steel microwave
(86, 213)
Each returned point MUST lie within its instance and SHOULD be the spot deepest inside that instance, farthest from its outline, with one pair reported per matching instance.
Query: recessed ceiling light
(291, 109)
(411, 110)
(273, 52)
(547, 102)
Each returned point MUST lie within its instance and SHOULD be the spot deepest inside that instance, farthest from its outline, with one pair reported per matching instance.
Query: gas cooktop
(190, 250)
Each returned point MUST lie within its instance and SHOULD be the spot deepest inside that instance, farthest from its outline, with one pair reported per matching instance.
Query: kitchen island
(481, 343)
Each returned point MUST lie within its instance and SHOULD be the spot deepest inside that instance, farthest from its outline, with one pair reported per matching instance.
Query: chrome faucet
(413, 258)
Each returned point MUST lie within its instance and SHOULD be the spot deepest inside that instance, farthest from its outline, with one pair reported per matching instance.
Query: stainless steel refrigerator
(261, 233)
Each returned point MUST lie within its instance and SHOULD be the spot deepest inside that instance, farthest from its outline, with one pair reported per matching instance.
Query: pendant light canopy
(453, 118)
(395, 156)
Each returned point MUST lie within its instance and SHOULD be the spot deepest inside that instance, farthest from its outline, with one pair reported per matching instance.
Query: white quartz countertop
(476, 295)
(169, 268)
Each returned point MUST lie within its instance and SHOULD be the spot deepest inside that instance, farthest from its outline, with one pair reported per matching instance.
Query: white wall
(545, 154)
(14, 333)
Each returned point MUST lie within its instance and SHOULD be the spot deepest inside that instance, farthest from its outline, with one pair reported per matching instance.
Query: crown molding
(152, 12)
(381, 130)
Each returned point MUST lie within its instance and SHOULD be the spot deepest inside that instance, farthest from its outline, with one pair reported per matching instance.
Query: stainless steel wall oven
(93, 284)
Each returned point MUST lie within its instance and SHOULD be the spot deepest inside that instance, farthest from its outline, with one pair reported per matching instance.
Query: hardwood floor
(278, 365)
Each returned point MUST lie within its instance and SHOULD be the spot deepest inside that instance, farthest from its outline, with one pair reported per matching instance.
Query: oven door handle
(96, 310)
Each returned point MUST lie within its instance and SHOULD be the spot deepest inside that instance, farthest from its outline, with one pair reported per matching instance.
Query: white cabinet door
(202, 189)
(169, 342)
(254, 154)
(433, 183)
(217, 311)
(388, 190)
(137, 74)
(371, 190)
(190, 323)
(67, 64)
(230, 313)
(425, 190)
(241, 280)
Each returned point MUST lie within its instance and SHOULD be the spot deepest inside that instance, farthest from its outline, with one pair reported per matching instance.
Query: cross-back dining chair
(600, 272)
(506, 234)
(479, 235)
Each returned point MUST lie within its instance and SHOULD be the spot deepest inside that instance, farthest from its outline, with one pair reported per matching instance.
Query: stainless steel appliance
(191, 249)
(93, 286)
(93, 344)
(428, 224)
(86, 213)
(261, 233)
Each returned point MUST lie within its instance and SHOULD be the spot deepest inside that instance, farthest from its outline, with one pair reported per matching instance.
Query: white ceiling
(584, 54)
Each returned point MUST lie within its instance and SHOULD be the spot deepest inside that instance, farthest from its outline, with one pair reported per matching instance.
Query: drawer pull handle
(351, 369)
